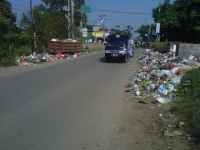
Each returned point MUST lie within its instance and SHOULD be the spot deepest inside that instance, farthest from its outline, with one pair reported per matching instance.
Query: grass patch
(187, 103)
(8, 62)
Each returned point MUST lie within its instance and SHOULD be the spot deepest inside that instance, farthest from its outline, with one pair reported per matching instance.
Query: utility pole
(102, 20)
(69, 19)
(81, 25)
(33, 27)
(72, 15)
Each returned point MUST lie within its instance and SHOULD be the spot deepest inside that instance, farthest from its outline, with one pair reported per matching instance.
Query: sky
(116, 12)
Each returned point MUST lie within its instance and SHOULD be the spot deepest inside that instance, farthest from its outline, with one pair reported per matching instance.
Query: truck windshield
(116, 43)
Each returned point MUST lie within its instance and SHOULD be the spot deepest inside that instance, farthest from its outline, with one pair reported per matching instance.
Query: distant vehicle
(117, 46)
(137, 44)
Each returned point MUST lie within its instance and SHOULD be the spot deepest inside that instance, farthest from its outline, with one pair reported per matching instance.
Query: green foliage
(160, 47)
(179, 21)
(11, 36)
(8, 62)
(50, 22)
(5, 10)
(126, 31)
(146, 29)
(187, 103)
(22, 51)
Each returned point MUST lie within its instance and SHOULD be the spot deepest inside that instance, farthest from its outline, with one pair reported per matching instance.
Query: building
(95, 35)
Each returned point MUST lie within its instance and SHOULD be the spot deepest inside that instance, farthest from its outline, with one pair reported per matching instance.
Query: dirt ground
(145, 126)
(141, 126)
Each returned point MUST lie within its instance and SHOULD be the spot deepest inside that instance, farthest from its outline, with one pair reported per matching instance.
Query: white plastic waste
(170, 87)
(175, 80)
(173, 70)
(190, 57)
(167, 72)
(163, 100)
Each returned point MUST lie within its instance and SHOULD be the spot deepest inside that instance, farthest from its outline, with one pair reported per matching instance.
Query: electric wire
(20, 5)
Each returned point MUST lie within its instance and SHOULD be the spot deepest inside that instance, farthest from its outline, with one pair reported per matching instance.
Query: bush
(187, 104)
(160, 47)
(9, 57)
(22, 51)
(8, 62)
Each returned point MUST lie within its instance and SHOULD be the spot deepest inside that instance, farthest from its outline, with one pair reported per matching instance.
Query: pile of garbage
(34, 58)
(157, 80)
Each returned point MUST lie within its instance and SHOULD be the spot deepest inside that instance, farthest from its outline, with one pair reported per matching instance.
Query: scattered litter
(181, 123)
(176, 119)
(174, 133)
(142, 101)
(34, 58)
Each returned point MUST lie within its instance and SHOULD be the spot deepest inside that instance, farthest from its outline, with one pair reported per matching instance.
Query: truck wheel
(107, 60)
(125, 59)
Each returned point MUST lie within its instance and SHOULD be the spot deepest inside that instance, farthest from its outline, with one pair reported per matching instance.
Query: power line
(114, 11)
(127, 19)
(19, 9)
(20, 5)
(94, 5)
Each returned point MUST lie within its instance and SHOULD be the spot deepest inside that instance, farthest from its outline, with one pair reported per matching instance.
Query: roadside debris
(37, 58)
(159, 75)
(174, 133)
(156, 82)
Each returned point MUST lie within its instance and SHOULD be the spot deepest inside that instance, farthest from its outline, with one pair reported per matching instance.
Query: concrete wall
(94, 46)
(187, 49)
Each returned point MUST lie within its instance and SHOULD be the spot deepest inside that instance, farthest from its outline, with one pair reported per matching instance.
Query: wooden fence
(64, 47)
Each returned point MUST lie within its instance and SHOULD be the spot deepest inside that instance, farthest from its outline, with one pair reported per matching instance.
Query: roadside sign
(84, 29)
(84, 32)
(157, 27)
(95, 28)
(86, 9)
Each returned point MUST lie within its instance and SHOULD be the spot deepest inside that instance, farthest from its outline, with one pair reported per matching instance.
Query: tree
(179, 21)
(52, 20)
(167, 19)
(126, 31)
(11, 37)
(189, 19)
(143, 31)
(5, 10)
(58, 5)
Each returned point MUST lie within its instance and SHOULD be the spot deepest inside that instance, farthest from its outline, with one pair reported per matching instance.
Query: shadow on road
(103, 60)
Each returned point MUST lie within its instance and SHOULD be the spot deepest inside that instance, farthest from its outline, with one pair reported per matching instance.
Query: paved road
(68, 105)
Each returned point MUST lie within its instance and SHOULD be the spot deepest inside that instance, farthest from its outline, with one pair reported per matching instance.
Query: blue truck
(118, 47)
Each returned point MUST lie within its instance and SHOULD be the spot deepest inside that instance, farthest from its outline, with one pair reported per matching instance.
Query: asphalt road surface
(67, 105)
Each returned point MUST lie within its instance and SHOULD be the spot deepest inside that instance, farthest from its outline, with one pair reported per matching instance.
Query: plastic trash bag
(137, 92)
(161, 89)
(190, 57)
(160, 100)
(175, 80)
(170, 87)
(167, 72)
(135, 87)
(152, 86)
(173, 70)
